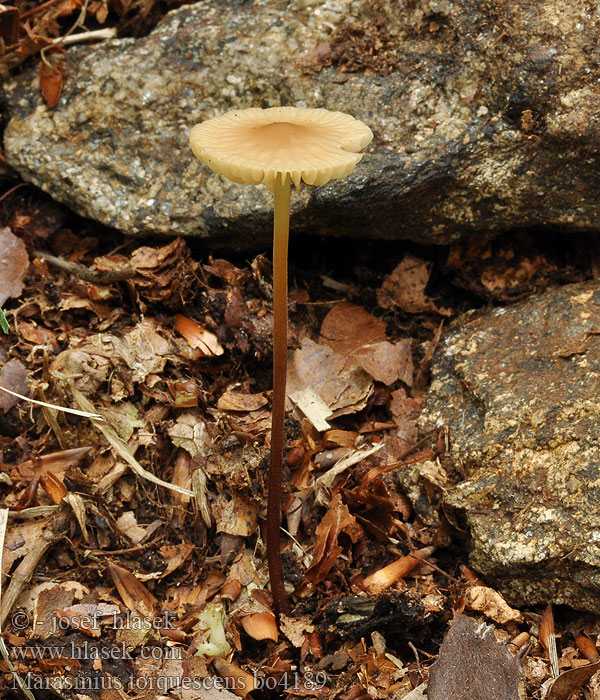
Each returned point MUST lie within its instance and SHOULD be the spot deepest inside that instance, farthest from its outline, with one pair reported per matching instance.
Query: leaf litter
(146, 529)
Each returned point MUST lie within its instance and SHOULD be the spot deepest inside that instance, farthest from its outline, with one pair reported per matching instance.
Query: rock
(518, 389)
(485, 117)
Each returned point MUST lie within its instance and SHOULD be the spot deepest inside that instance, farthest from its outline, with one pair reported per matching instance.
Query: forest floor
(134, 555)
(172, 347)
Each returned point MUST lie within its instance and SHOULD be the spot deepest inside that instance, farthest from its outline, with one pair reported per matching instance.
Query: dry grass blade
(30, 513)
(74, 411)
(548, 639)
(123, 451)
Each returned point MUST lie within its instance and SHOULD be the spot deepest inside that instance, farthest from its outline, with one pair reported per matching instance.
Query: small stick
(85, 273)
(107, 33)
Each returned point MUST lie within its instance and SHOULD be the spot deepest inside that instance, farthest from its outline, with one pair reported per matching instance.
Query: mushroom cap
(254, 145)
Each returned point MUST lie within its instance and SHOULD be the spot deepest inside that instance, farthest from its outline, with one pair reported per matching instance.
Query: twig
(107, 33)
(13, 189)
(85, 273)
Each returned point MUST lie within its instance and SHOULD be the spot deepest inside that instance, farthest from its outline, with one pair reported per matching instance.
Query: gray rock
(518, 389)
(485, 117)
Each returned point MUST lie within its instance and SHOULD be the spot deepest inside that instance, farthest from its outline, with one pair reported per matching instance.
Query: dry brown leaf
(54, 487)
(86, 616)
(341, 438)
(14, 262)
(343, 390)
(296, 629)
(51, 81)
(327, 549)
(38, 335)
(404, 288)
(189, 433)
(133, 593)
(239, 680)
(161, 274)
(237, 401)
(198, 337)
(20, 538)
(405, 412)
(13, 376)
(261, 625)
(128, 526)
(347, 328)
(489, 602)
(175, 555)
(227, 271)
(55, 463)
(235, 514)
(356, 334)
(388, 362)
(563, 687)
(547, 632)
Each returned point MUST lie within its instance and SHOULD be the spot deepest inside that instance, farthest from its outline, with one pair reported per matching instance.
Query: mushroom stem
(281, 227)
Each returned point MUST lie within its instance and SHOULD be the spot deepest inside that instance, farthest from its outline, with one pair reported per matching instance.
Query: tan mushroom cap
(253, 145)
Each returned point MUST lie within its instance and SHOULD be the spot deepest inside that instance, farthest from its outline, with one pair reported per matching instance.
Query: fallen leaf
(489, 602)
(127, 524)
(14, 263)
(189, 433)
(175, 555)
(55, 463)
(237, 401)
(404, 288)
(313, 407)
(326, 551)
(164, 274)
(13, 376)
(51, 81)
(347, 328)
(133, 593)
(86, 616)
(198, 337)
(54, 487)
(567, 683)
(388, 362)
(235, 514)
(260, 626)
(38, 335)
(344, 390)
(296, 629)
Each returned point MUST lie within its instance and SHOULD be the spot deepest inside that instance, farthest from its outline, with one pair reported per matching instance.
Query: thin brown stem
(281, 228)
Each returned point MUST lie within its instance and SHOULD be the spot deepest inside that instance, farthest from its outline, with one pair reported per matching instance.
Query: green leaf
(3, 322)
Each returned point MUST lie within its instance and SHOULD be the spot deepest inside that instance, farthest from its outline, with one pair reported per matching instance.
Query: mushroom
(276, 147)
